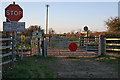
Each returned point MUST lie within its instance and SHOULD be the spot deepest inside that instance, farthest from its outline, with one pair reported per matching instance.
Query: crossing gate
(85, 47)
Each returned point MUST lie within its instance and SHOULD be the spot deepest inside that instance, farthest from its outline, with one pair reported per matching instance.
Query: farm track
(78, 68)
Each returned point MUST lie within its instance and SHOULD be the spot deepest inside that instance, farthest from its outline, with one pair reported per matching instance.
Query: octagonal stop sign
(14, 12)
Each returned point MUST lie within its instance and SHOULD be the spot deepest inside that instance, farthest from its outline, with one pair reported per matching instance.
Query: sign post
(86, 29)
(17, 45)
(22, 40)
(13, 14)
(21, 50)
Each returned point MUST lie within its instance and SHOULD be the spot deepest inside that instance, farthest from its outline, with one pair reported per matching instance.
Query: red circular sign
(14, 12)
(73, 46)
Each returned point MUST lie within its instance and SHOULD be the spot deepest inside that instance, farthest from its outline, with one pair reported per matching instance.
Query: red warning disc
(73, 46)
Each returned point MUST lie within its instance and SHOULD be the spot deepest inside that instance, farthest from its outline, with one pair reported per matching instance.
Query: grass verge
(25, 69)
(112, 60)
(47, 58)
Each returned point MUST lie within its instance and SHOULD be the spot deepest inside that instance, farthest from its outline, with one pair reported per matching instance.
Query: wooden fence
(113, 44)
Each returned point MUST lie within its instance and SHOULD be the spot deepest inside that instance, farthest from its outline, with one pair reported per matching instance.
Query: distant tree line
(113, 29)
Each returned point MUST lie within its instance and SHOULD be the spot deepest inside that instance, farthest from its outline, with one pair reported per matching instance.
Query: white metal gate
(86, 47)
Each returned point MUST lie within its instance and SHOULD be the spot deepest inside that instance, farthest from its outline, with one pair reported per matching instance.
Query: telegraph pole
(47, 19)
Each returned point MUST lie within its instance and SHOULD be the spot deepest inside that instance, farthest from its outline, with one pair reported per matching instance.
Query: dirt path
(78, 68)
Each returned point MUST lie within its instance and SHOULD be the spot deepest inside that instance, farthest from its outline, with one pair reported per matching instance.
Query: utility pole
(47, 19)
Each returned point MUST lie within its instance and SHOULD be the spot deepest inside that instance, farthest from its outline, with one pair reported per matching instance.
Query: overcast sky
(65, 16)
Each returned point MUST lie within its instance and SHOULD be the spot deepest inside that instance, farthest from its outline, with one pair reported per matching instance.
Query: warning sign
(73, 47)
(22, 38)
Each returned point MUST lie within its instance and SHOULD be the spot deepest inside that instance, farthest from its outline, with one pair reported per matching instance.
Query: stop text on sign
(11, 12)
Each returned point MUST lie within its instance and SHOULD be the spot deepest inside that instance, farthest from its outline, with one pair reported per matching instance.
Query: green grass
(108, 59)
(47, 58)
(107, 56)
(28, 69)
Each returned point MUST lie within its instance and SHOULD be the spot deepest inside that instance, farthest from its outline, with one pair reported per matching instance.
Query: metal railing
(3, 55)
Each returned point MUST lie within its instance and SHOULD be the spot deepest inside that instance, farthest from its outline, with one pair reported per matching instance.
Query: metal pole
(40, 46)
(39, 30)
(13, 44)
(86, 43)
(17, 45)
(45, 47)
(13, 2)
(21, 50)
(37, 47)
(86, 46)
(31, 47)
(47, 19)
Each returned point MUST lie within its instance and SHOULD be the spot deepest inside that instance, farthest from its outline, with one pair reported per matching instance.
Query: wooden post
(101, 45)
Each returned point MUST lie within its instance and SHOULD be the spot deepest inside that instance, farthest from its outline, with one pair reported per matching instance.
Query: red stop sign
(14, 12)
(73, 46)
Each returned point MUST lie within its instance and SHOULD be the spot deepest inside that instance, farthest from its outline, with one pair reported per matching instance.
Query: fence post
(80, 41)
(17, 45)
(86, 45)
(105, 45)
(21, 50)
(31, 48)
(13, 37)
(45, 47)
(101, 45)
(40, 46)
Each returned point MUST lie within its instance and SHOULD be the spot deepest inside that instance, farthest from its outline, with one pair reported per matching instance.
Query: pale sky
(65, 16)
